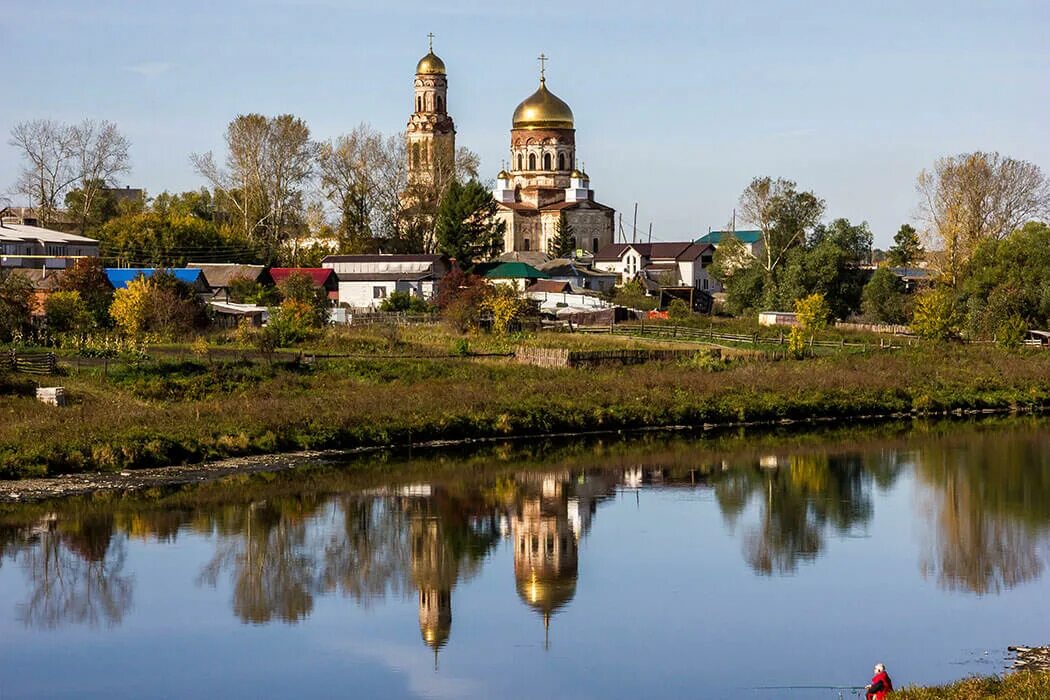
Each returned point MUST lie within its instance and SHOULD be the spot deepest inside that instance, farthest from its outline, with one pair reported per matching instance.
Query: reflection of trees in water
(75, 572)
(370, 555)
(989, 507)
(271, 556)
(799, 498)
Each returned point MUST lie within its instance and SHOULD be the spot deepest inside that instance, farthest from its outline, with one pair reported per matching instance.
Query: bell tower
(431, 134)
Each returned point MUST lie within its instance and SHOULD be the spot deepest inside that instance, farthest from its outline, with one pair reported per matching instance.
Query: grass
(1015, 686)
(408, 388)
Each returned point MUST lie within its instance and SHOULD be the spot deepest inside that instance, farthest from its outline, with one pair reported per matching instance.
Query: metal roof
(715, 237)
(21, 232)
(509, 271)
(120, 276)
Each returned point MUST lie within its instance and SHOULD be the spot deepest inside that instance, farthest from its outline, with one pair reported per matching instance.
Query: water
(750, 566)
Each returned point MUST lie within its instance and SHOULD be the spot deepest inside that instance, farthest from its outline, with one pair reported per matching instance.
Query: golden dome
(503, 175)
(543, 110)
(577, 174)
(430, 65)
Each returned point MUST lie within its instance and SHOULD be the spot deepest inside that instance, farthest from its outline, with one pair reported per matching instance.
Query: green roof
(715, 237)
(510, 271)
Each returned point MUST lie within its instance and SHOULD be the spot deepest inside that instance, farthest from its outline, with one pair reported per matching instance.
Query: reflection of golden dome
(546, 593)
(435, 636)
(543, 110)
(430, 65)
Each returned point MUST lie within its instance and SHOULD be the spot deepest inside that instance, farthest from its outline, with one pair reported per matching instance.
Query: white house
(33, 246)
(366, 280)
(663, 264)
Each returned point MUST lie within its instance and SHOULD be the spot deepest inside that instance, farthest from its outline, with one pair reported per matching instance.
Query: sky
(678, 105)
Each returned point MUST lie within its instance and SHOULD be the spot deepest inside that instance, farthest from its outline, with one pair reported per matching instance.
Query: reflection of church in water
(543, 522)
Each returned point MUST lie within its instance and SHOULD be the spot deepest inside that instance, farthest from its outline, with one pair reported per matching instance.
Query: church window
(415, 154)
(535, 544)
(532, 161)
(561, 161)
(526, 244)
(550, 543)
(546, 161)
(594, 245)
(438, 98)
(419, 103)
(519, 162)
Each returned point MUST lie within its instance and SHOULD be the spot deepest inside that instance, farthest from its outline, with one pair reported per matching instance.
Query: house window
(379, 292)
(704, 284)
(532, 161)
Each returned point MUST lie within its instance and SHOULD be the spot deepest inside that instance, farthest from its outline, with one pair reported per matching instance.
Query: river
(766, 565)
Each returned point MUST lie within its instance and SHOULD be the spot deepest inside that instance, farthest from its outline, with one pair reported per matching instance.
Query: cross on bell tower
(543, 67)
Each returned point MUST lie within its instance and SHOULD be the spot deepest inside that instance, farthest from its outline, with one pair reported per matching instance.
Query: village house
(119, 277)
(322, 278)
(32, 246)
(219, 276)
(364, 281)
(751, 240)
(579, 274)
(516, 275)
(658, 265)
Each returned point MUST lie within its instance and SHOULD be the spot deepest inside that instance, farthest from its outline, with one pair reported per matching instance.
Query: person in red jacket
(880, 685)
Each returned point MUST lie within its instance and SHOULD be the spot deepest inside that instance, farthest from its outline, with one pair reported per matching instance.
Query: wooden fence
(701, 335)
(29, 363)
(563, 357)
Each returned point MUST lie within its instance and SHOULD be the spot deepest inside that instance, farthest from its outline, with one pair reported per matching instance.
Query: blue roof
(715, 237)
(120, 276)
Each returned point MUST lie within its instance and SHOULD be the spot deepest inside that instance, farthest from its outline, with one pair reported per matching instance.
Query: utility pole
(650, 232)
(634, 226)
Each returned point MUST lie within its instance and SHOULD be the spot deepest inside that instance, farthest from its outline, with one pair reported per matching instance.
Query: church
(545, 180)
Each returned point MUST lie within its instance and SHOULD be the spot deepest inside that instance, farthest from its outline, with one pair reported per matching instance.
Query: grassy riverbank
(411, 389)
(1015, 686)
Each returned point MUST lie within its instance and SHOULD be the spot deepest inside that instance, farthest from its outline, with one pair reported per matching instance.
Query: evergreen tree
(906, 249)
(563, 244)
(466, 228)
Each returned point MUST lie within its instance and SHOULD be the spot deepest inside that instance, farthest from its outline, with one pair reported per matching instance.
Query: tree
(1008, 280)
(679, 311)
(974, 197)
(58, 156)
(306, 302)
(563, 243)
(66, 312)
(459, 298)
(102, 208)
(87, 277)
(244, 290)
(467, 229)
(936, 314)
(812, 314)
(782, 214)
(269, 160)
(907, 248)
(400, 302)
(16, 304)
(158, 304)
(884, 299)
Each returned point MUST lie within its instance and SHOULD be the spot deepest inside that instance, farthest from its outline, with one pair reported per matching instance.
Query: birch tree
(59, 156)
(782, 215)
(973, 197)
(269, 161)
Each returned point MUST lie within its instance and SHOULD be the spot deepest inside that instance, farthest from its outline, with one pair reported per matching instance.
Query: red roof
(321, 276)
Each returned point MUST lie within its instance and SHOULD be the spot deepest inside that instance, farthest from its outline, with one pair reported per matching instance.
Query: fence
(701, 335)
(29, 363)
(563, 357)
(390, 319)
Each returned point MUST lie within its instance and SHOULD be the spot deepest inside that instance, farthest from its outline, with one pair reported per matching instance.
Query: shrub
(1011, 332)
(310, 306)
(66, 312)
(679, 311)
(16, 295)
(936, 315)
(159, 304)
(401, 302)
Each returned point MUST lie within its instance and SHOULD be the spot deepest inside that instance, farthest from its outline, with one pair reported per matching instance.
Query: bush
(66, 312)
(159, 304)
(679, 311)
(401, 302)
(936, 315)
(310, 305)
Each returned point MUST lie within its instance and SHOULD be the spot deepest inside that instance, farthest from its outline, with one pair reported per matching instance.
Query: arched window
(439, 107)
(594, 245)
(532, 161)
(519, 162)
(561, 161)
(419, 103)
(415, 155)
(546, 161)
(526, 244)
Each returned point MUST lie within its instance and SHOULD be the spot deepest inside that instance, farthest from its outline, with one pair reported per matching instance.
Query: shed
(777, 318)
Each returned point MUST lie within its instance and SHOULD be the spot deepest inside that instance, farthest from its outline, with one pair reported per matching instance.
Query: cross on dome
(430, 36)
(543, 67)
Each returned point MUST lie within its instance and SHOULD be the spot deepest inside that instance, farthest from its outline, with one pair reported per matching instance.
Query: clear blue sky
(678, 104)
